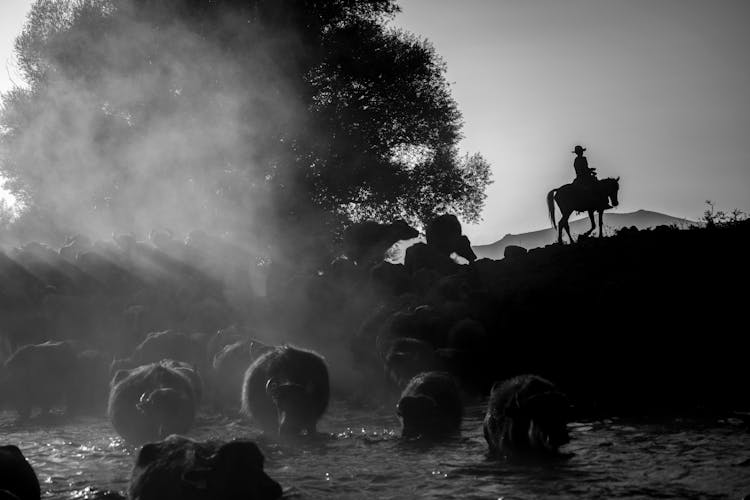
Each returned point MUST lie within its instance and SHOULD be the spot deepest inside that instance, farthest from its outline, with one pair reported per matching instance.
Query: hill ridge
(641, 219)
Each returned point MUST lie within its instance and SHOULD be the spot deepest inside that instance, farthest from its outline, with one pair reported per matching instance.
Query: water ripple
(359, 455)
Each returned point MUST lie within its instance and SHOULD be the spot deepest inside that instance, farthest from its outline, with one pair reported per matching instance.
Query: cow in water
(153, 401)
(179, 468)
(39, 376)
(18, 480)
(526, 415)
(286, 391)
(228, 370)
(430, 406)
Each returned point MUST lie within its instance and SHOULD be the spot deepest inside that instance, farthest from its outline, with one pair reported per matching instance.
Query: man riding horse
(585, 194)
(586, 179)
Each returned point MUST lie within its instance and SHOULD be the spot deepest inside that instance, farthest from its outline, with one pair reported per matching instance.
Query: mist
(156, 126)
(180, 155)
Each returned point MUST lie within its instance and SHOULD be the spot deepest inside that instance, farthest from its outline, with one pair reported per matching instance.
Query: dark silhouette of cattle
(366, 242)
(153, 401)
(388, 279)
(444, 234)
(430, 406)
(469, 355)
(423, 323)
(637, 284)
(526, 415)
(17, 477)
(168, 344)
(18, 286)
(38, 376)
(57, 273)
(229, 366)
(224, 337)
(75, 245)
(286, 391)
(179, 468)
(408, 357)
(514, 251)
(423, 256)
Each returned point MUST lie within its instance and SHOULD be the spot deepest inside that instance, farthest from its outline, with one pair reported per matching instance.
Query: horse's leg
(593, 225)
(601, 225)
(561, 225)
(564, 224)
(567, 230)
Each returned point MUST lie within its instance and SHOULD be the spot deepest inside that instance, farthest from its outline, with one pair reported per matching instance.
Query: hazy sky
(656, 90)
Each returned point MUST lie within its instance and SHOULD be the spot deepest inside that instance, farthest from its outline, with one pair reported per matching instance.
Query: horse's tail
(551, 206)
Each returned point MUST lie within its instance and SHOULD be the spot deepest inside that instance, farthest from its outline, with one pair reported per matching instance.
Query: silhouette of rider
(586, 177)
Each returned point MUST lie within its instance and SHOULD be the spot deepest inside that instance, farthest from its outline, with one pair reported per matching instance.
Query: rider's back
(581, 166)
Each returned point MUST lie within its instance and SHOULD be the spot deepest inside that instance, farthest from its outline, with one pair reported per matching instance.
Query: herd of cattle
(121, 328)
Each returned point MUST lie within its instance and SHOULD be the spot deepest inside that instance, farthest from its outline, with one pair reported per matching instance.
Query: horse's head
(611, 187)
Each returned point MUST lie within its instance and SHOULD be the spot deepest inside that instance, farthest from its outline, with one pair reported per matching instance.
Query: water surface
(362, 457)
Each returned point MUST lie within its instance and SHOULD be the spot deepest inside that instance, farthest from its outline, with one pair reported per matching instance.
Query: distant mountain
(642, 219)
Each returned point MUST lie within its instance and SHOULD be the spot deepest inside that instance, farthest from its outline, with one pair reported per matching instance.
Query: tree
(273, 120)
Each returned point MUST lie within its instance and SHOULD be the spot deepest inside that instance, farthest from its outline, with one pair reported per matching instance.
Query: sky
(656, 90)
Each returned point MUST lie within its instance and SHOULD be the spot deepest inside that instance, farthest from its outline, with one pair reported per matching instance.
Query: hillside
(644, 319)
(641, 219)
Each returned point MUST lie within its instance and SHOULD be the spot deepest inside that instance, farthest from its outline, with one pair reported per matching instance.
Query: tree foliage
(264, 118)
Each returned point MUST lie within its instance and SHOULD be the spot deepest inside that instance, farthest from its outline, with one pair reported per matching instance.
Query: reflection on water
(362, 457)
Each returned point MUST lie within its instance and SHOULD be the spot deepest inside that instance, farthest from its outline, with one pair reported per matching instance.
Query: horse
(571, 197)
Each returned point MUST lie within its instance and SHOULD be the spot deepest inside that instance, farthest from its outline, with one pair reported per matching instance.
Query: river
(361, 456)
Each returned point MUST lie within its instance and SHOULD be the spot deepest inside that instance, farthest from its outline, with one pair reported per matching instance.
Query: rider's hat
(578, 148)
